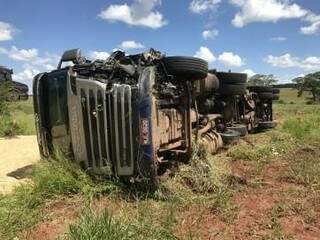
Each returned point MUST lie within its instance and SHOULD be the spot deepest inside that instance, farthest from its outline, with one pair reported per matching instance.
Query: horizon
(250, 36)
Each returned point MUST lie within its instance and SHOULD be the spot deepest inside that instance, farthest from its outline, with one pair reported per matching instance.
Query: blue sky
(279, 37)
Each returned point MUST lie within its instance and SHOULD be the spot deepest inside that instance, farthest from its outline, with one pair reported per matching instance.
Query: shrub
(8, 127)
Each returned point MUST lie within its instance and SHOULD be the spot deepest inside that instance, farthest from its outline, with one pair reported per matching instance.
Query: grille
(107, 126)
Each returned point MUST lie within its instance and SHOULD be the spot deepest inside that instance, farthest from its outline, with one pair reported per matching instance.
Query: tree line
(309, 83)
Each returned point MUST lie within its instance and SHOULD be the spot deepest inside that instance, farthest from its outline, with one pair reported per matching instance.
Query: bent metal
(134, 116)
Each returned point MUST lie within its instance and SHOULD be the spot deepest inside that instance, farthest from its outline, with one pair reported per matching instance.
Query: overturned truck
(135, 116)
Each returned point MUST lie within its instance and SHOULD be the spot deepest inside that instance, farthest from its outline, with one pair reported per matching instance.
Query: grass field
(266, 186)
(22, 113)
(20, 121)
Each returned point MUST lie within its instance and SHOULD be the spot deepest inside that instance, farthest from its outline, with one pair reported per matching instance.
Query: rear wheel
(188, 68)
(267, 125)
(229, 136)
(231, 78)
(232, 89)
(276, 91)
(242, 129)
(260, 89)
(265, 95)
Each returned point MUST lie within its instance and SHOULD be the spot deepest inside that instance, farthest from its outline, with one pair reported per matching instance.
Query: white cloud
(314, 24)
(278, 39)
(311, 63)
(265, 11)
(27, 74)
(249, 72)
(127, 45)
(210, 34)
(140, 13)
(284, 61)
(99, 55)
(230, 59)
(22, 54)
(31, 56)
(205, 54)
(311, 29)
(6, 31)
(200, 6)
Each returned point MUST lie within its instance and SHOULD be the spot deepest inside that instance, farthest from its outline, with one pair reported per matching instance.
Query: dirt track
(17, 155)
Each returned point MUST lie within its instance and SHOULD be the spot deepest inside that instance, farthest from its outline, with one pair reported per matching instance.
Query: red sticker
(144, 131)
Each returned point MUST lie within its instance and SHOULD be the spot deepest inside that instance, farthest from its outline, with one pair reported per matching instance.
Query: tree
(262, 80)
(309, 83)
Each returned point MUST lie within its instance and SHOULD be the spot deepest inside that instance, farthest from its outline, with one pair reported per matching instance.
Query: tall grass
(50, 179)
(92, 226)
(306, 128)
(22, 114)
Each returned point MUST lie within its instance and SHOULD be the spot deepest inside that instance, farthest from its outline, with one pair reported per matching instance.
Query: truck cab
(16, 90)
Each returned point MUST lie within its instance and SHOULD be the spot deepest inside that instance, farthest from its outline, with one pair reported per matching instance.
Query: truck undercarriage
(133, 116)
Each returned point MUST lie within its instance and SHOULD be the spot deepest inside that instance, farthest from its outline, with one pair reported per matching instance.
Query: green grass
(92, 226)
(19, 120)
(199, 189)
(290, 96)
(22, 114)
(50, 180)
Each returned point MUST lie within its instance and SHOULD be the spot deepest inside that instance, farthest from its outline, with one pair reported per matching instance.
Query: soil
(264, 203)
(17, 157)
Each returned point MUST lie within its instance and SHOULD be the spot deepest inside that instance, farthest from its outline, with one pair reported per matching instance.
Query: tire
(231, 78)
(267, 125)
(213, 71)
(242, 129)
(229, 136)
(265, 95)
(276, 91)
(275, 97)
(232, 89)
(259, 89)
(187, 68)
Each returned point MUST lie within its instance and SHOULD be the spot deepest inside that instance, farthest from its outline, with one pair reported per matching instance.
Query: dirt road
(17, 155)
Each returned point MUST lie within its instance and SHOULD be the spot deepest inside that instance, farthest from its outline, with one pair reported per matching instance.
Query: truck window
(57, 99)
(2, 76)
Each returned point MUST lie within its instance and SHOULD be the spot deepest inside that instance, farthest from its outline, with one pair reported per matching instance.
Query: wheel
(267, 125)
(188, 68)
(229, 136)
(265, 95)
(276, 91)
(232, 89)
(231, 78)
(213, 71)
(259, 89)
(242, 129)
(275, 97)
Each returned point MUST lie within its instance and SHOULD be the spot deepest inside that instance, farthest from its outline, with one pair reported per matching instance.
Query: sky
(279, 37)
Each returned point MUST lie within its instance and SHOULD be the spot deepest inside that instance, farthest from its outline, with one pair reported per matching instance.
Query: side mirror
(73, 55)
